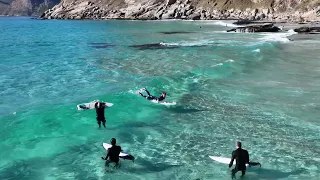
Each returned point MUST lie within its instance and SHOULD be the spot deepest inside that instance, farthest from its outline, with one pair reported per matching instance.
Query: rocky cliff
(286, 10)
(25, 7)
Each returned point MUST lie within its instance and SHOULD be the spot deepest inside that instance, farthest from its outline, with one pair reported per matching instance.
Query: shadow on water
(182, 109)
(273, 174)
(100, 45)
(175, 32)
(145, 166)
(153, 46)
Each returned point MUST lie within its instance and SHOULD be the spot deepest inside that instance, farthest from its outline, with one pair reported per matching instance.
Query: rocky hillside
(25, 7)
(297, 10)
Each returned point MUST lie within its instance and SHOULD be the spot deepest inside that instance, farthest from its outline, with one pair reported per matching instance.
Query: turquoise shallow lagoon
(261, 89)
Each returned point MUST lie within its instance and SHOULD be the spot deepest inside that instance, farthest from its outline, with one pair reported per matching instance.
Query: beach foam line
(222, 23)
(186, 44)
(278, 37)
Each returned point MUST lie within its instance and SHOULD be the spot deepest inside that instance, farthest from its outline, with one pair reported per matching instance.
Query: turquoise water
(260, 89)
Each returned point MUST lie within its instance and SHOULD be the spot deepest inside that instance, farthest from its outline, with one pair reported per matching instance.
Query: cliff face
(25, 7)
(186, 9)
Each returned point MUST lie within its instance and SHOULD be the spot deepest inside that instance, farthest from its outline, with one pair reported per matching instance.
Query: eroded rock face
(183, 9)
(25, 7)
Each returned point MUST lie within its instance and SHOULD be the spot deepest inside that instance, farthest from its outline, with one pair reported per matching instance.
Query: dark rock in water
(152, 46)
(308, 30)
(242, 22)
(246, 21)
(269, 27)
(176, 32)
(100, 45)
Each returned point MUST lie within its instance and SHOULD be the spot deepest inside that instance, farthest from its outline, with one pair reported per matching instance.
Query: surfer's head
(99, 104)
(238, 144)
(164, 94)
(113, 141)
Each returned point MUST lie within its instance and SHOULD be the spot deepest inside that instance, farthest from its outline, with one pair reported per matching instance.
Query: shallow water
(261, 89)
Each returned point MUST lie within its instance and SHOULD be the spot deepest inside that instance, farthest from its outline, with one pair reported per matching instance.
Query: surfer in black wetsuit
(99, 106)
(150, 97)
(242, 158)
(113, 153)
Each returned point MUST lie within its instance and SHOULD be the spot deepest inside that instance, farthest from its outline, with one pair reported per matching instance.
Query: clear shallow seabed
(261, 89)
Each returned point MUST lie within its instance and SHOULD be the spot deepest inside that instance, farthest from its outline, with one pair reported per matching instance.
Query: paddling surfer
(151, 97)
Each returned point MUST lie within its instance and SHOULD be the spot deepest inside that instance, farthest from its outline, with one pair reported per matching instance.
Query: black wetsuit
(100, 114)
(150, 97)
(242, 158)
(113, 154)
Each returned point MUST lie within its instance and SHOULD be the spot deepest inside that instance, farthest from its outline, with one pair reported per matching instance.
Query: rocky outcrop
(25, 7)
(257, 10)
(269, 27)
(308, 30)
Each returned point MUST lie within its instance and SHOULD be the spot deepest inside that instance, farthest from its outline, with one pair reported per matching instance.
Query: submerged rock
(100, 45)
(269, 27)
(152, 46)
(176, 32)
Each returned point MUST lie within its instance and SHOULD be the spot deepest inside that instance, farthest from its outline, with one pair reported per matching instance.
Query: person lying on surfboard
(150, 97)
(242, 158)
(113, 153)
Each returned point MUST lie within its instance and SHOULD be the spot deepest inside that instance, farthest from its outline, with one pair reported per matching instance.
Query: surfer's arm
(232, 159)
(142, 95)
(247, 159)
(147, 92)
(106, 156)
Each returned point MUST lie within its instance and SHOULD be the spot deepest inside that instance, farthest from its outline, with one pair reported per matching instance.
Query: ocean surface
(260, 89)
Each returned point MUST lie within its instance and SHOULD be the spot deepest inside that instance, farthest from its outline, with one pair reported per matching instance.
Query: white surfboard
(106, 146)
(90, 105)
(223, 160)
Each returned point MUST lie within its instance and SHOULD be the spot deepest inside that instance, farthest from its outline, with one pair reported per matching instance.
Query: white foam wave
(222, 23)
(164, 103)
(230, 60)
(256, 50)
(219, 64)
(134, 91)
(278, 37)
(292, 31)
(185, 43)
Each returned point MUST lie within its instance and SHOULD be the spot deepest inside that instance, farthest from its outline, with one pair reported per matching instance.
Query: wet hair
(239, 144)
(164, 93)
(98, 104)
(113, 141)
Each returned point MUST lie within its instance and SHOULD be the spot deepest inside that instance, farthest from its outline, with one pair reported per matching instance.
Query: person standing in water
(100, 106)
(242, 158)
(150, 97)
(113, 153)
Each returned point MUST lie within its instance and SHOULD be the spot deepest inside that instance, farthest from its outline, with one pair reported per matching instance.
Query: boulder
(308, 30)
(189, 12)
(169, 14)
(242, 22)
(267, 27)
(170, 2)
(195, 16)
